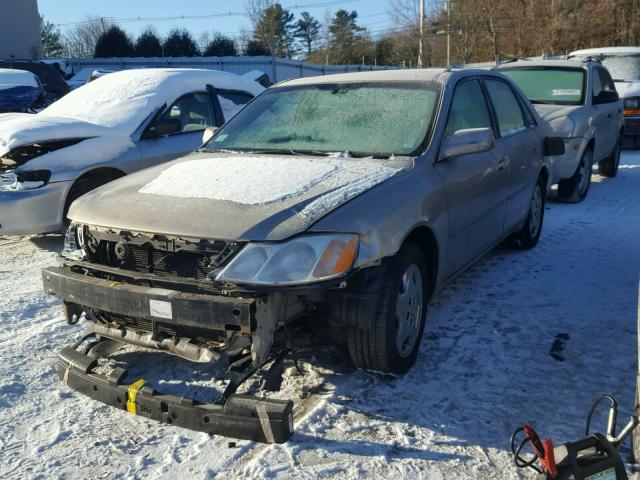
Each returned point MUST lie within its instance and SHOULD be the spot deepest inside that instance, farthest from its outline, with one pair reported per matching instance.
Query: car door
(195, 112)
(605, 114)
(519, 145)
(474, 183)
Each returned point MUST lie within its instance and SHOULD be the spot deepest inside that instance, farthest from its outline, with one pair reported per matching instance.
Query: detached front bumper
(30, 212)
(238, 416)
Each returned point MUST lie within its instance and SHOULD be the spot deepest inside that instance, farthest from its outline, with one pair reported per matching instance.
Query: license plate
(160, 309)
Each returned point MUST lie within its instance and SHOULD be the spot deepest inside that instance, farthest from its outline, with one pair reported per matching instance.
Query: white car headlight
(304, 259)
(27, 180)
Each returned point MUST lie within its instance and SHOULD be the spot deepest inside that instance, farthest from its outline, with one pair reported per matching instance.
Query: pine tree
(114, 43)
(307, 31)
(180, 43)
(148, 45)
(51, 39)
(221, 46)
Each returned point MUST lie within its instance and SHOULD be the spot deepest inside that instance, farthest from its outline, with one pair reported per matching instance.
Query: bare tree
(80, 40)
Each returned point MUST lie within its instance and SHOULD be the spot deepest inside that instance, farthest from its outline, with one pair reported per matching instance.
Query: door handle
(502, 163)
(610, 115)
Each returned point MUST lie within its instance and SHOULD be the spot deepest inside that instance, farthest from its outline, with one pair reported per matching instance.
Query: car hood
(25, 129)
(233, 196)
(628, 89)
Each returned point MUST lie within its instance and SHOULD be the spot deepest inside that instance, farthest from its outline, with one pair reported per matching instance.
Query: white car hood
(25, 129)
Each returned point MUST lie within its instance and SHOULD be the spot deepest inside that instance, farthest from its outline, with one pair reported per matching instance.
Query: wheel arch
(111, 173)
(424, 237)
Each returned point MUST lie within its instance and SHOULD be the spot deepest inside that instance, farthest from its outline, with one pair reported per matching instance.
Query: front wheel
(527, 237)
(389, 342)
(574, 189)
(609, 166)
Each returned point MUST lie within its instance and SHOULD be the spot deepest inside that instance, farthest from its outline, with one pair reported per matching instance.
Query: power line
(207, 16)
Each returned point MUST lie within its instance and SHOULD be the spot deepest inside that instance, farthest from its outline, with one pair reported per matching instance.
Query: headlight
(74, 243)
(633, 102)
(304, 259)
(16, 181)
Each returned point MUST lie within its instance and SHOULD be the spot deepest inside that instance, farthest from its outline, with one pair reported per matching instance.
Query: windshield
(361, 119)
(621, 67)
(558, 86)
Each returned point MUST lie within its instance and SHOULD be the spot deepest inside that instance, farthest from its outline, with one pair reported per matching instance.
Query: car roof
(544, 63)
(441, 75)
(607, 51)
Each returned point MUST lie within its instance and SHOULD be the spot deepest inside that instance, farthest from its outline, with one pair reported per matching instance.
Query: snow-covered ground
(533, 336)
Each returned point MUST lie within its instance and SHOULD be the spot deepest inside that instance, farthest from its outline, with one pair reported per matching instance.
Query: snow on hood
(124, 99)
(241, 179)
(256, 180)
(233, 196)
(17, 130)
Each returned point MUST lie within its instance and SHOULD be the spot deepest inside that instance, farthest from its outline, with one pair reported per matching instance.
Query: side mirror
(164, 126)
(208, 134)
(465, 142)
(606, 96)
(553, 146)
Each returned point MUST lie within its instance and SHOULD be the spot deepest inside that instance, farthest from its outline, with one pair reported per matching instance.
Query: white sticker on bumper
(160, 309)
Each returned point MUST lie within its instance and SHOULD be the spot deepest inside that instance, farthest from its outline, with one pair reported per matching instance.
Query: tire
(609, 166)
(575, 189)
(380, 345)
(82, 186)
(529, 235)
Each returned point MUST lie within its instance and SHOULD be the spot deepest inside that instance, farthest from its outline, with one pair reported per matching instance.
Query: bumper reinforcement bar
(238, 416)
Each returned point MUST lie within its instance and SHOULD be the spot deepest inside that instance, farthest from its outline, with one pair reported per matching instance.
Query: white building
(20, 29)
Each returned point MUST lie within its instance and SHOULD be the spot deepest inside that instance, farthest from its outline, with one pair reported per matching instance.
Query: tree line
(457, 31)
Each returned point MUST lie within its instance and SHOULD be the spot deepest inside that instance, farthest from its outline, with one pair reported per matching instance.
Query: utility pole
(421, 23)
(448, 33)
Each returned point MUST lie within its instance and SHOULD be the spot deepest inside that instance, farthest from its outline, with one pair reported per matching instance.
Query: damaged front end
(160, 292)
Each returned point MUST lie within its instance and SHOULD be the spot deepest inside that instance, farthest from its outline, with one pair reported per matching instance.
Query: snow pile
(10, 78)
(124, 99)
(260, 180)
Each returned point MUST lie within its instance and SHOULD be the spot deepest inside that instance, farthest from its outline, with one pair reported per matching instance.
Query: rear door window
(468, 108)
(506, 106)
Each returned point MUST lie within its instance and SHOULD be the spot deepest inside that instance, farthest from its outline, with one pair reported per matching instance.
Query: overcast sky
(372, 13)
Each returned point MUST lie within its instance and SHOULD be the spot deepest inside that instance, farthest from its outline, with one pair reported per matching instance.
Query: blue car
(20, 91)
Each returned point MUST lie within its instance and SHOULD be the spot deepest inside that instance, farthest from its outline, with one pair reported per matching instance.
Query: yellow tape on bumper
(131, 395)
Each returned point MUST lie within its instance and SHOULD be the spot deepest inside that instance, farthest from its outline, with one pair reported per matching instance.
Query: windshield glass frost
(561, 86)
(371, 119)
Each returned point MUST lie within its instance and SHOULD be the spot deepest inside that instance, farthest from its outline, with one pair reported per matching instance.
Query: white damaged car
(116, 125)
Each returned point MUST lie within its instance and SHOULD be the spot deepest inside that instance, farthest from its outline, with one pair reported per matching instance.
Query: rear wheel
(609, 166)
(527, 237)
(390, 341)
(574, 189)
